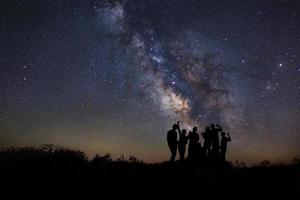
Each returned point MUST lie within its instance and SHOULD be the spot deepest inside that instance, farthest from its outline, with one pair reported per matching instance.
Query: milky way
(186, 80)
(113, 76)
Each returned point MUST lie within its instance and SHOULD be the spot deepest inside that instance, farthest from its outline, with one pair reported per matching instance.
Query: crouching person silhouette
(183, 139)
(172, 141)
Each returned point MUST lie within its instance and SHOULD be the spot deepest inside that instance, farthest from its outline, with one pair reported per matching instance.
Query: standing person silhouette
(224, 141)
(193, 141)
(183, 139)
(214, 131)
(207, 140)
(172, 142)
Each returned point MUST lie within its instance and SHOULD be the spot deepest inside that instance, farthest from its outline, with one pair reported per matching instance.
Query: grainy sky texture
(113, 75)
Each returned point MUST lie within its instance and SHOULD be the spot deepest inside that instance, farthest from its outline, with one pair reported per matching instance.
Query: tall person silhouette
(193, 141)
(214, 131)
(183, 139)
(207, 140)
(172, 141)
(224, 141)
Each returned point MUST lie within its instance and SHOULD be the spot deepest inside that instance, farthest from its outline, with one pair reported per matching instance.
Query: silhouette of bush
(239, 164)
(134, 159)
(45, 160)
(297, 161)
(105, 158)
(265, 163)
(122, 158)
(48, 163)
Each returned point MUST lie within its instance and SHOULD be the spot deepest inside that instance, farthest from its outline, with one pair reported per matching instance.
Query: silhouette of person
(207, 140)
(200, 154)
(224, 141)
(183, 139)
(214, 131)
(193, 141)
(172, 142)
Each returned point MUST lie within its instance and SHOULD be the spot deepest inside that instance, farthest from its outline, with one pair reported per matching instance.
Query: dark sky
(113, 76)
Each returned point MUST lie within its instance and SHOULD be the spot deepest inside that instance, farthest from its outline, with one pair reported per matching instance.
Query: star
(122, 72)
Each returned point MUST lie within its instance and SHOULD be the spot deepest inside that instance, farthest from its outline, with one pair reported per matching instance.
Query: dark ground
(50, 171)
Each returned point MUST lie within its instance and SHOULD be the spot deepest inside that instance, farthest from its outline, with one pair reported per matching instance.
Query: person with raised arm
(183, 139)
(172, 141)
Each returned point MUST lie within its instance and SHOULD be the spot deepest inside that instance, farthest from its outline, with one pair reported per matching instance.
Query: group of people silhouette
(212, 148)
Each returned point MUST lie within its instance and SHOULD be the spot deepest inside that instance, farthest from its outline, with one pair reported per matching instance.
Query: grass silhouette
(47, 165)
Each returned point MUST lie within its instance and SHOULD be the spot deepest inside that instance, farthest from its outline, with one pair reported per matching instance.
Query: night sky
(112, 76)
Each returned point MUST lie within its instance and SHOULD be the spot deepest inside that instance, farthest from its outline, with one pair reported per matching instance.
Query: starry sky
(112, 76)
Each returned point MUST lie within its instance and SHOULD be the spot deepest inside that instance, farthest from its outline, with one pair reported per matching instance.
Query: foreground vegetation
(47, 165)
